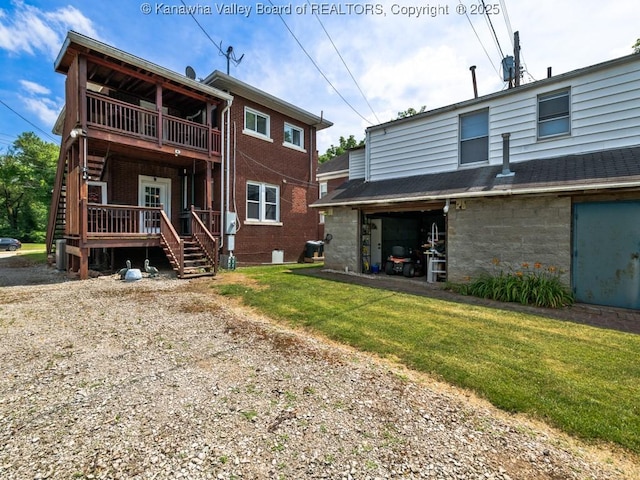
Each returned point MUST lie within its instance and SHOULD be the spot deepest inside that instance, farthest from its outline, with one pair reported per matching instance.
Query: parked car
(10, 244)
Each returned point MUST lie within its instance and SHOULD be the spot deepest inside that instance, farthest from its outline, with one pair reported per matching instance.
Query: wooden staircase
(195, 262)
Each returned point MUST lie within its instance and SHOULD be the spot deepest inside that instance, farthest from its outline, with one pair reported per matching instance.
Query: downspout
(225, 166)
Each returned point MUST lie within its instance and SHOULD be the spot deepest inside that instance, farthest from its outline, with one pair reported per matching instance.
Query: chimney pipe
(548, 72)
(473, 78)
(506, 172)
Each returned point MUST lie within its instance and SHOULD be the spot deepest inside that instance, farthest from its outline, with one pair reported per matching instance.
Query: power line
(507, 21)
(318, 68)
(480, 42)
(495, 36)
(345, 65)
(28, 121)
(203, 30)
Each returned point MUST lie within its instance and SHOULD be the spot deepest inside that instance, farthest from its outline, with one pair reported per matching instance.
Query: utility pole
(516, 56)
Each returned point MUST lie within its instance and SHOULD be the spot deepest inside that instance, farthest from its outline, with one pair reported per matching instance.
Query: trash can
(314, 249)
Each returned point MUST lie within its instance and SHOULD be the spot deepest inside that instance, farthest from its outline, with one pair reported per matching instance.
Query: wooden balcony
(128, 225)
(129, 120)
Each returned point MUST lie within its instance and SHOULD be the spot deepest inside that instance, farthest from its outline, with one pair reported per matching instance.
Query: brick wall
(293, 171)
(122, 182)
(513, 230)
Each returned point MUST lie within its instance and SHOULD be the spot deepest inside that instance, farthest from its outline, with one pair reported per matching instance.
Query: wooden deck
(162, 129)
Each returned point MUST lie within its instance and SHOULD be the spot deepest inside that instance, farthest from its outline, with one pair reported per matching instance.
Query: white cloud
(34, 88)
(45, 109)
(31, 30)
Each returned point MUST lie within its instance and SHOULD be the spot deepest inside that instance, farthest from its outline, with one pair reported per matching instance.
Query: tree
(636, 46)
(345, 144)
(410, 112)
(27, 174)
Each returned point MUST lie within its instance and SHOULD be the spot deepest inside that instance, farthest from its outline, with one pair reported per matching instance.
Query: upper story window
(474, 137)
(256, 123)
(293, 136)
(263, 202)
(554, 117)
(324, 189)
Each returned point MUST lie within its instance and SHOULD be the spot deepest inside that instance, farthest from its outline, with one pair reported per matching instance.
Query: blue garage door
(606, 263)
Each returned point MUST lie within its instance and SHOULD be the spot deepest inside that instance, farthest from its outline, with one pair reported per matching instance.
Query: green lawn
(583, 380)
(33, 252)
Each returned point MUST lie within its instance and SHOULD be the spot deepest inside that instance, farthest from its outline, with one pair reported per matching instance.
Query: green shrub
(539, 286)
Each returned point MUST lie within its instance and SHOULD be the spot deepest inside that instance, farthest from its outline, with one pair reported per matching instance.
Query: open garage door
(606, 253)
(412, 230)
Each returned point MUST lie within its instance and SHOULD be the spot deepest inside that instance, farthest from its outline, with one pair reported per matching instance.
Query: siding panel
(605, 113)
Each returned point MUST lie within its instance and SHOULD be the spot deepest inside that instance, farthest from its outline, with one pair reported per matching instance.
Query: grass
(29, 254)
(583, 380)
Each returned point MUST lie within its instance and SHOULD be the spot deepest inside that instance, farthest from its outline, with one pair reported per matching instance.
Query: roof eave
(252, 93)
(479, 194)
(94, 45)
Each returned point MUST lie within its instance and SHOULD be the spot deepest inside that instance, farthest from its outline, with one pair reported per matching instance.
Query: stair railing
(205, 239)
(172, 241)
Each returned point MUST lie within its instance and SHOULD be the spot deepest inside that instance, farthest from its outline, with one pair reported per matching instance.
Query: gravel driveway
(162, 379)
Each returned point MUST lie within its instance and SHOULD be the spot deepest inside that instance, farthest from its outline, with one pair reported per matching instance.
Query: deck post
(159, 109)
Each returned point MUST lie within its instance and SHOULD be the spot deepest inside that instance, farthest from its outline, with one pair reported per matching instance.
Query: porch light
(77, 132)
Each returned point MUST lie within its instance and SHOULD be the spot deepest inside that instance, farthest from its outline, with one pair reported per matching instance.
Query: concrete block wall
(342, 250)
(513, 230)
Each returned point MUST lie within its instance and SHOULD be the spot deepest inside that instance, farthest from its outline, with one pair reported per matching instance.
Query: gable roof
(603, 170)
(225, 82)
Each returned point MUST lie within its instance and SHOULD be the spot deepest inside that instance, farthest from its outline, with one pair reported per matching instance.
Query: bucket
(375, 268)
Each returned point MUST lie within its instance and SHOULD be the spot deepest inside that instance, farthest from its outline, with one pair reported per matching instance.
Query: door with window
(153, 192)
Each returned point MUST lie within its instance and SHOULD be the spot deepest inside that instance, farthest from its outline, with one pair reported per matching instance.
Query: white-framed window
(263, 202)
(293, 136)
(256, 123)
(554, 114)
(97, 192)
(474, 137)
(324, 189)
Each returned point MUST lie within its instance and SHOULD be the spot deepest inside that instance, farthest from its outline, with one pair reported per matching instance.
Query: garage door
(606, 263)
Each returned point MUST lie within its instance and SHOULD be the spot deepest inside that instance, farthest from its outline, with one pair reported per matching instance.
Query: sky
(354, 64)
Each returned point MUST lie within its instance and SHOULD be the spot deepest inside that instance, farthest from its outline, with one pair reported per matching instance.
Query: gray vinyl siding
(357, 164)
(604, 109)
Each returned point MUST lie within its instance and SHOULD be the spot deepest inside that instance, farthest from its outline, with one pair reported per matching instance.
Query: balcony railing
(109, 220)
(127, 119)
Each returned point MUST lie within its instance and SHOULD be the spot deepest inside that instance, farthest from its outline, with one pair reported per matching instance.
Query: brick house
(272, 167)
(154, 164)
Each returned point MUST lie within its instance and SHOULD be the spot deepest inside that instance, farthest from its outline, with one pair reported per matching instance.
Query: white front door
(153, 192)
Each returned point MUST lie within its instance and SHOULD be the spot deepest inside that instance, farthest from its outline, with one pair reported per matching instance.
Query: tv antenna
(231, 57)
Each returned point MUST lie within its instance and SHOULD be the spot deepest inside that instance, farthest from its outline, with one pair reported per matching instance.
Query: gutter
(225, 168)
(495, 193)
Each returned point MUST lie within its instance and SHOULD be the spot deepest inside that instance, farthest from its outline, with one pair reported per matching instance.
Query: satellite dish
(190, 73)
